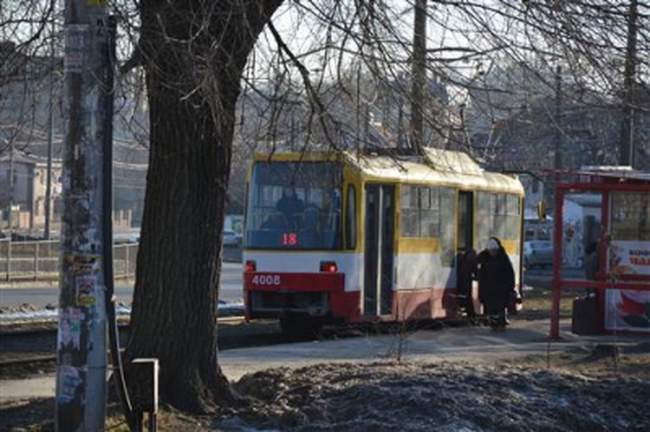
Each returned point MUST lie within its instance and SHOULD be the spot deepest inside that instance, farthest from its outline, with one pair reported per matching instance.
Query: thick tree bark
(195, 52)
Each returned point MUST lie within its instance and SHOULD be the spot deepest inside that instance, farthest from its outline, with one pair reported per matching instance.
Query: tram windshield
(294, 205)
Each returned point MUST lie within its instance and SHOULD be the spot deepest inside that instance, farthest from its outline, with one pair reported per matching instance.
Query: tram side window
(429, 212)
(484, 218)
(447, 227)
(497, 215)
(500, 218)
(410, 224)
(513, 217)
(351, 219)
(420, 210)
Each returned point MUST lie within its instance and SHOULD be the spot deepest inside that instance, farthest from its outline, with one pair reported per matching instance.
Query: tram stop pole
(556, 295)
(81, 342)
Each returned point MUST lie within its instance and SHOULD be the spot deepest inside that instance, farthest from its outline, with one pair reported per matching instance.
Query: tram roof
(436, 166)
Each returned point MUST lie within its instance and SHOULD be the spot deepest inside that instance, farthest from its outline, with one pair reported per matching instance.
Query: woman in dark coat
(496, 279)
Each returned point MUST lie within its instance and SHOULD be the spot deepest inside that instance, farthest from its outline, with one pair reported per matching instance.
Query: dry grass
(537, 304)
(630, 361)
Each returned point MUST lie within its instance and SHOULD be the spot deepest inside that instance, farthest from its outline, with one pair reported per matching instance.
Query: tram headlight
(328, 267)
(250, 266)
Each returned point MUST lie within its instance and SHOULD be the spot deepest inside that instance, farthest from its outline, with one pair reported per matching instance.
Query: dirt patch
(442, 396)
(632, 360)
(38, 415)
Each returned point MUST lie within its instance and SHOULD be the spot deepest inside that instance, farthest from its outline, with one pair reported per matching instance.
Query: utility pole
(557, 162)
(418, 74)
(12, 186)
(81, 343)
(357, 111)
(627, 128)
(50, 125)
(400, 120)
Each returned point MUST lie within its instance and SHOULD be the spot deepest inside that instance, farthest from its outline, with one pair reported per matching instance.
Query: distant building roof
(617, 171)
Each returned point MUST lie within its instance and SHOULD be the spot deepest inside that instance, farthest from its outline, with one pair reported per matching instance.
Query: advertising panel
(630, 257)
(627, 310)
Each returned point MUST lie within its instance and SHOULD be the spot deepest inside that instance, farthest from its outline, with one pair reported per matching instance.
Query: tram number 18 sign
(289, 239)
(266, 280)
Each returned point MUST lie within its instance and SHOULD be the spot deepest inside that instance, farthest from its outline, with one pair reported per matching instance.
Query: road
(43, 293)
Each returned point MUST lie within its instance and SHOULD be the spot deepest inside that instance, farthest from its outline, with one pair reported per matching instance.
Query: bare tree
(194, 54)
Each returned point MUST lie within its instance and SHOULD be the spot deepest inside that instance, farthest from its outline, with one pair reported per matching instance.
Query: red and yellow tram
(342, 237)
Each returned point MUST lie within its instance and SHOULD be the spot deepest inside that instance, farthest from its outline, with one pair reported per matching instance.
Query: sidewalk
(473, 344)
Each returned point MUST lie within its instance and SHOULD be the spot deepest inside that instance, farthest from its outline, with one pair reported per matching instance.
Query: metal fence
(34, 260)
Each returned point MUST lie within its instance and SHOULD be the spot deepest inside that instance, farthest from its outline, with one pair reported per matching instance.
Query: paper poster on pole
(68, 386)
(627, 310)
(85, 287)
(70, 328)
(75, 47)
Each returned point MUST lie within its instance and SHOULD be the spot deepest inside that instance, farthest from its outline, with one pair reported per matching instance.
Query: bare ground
(580, 391)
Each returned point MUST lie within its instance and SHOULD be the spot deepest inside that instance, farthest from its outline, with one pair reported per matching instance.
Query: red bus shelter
(621, 282)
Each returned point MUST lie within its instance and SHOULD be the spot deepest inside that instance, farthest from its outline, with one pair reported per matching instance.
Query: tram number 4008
(266, 280)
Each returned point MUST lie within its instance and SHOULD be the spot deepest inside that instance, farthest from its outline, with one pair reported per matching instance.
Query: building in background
(29, 184)
(26, 82)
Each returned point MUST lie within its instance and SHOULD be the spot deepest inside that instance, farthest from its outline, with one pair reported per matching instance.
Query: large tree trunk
(192, 90)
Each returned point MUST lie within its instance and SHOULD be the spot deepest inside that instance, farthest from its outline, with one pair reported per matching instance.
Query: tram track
(50, 326)
(29, 351)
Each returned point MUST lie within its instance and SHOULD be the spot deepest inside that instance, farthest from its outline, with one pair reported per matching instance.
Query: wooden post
(557, 160)
(627, 151)
(418, 75)
(557, 263)
(127, 267)
(7, 260)
(36, 249)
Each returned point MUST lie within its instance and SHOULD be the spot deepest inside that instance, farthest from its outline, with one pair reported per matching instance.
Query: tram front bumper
(276, 295)
(265, 304)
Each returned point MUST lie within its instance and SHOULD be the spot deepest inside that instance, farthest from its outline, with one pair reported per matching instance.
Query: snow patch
(30, 313)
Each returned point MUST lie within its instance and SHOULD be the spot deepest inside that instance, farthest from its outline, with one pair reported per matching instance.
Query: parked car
(231, 238)
(538, 253)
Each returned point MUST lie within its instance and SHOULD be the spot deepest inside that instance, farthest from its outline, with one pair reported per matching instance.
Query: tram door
(380, 224)
(465, 221)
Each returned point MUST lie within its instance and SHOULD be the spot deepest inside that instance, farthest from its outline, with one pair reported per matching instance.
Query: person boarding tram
(496, 278)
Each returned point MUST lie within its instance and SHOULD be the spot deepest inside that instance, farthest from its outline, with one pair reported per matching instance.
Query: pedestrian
(496, 279)
(467, 270)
